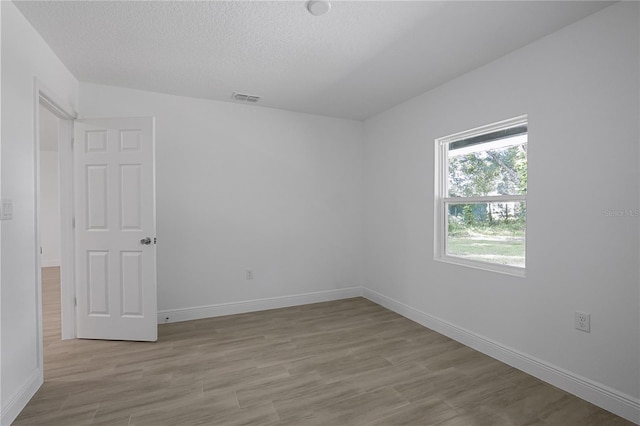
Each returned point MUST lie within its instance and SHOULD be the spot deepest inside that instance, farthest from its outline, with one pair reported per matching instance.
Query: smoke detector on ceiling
(244, 97)
(318, 7)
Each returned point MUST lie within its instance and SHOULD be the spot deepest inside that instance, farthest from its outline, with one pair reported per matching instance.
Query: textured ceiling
(358, 60)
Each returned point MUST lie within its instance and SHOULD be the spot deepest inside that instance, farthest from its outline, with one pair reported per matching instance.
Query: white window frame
(442, 201)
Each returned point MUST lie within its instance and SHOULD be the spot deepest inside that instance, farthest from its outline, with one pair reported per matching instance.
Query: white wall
(580, 88)
(49, 209)
(241, 187)
(1, 399)
(49, 190)
(24, 55)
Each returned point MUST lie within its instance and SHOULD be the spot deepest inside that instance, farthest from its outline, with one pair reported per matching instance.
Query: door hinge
(155, 240)
(40, 250)
(73, 223)
(73, 142)
(75, 301)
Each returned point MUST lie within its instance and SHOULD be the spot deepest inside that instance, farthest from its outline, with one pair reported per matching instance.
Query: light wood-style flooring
(349, 362)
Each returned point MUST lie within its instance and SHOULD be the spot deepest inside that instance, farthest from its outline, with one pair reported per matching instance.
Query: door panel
(115, 213)
(97, 282)
(130, 197)
(96, 199)
(131, 281)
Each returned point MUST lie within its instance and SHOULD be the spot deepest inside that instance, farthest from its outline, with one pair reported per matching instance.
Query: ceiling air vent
(244, 97)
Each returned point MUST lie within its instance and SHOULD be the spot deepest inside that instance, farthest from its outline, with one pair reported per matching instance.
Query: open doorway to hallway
(49, 229)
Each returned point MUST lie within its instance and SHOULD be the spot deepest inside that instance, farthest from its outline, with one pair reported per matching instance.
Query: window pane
(497, 167)
(488, 232)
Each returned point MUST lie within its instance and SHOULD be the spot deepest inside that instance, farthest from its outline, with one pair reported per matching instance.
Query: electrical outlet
(583, 321)
(249, 274)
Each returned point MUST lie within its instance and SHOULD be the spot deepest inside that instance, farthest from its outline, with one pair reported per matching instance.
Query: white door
(115, 229)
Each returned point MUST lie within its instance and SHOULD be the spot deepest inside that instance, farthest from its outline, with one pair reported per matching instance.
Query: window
(481, 187)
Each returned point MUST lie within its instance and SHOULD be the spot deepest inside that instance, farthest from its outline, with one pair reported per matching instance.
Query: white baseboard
(617, 402)
(199, 312)
(47, 263)
(21, 398)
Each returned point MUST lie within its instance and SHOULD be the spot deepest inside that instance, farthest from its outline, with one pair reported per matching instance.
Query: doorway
(53, 131)
(49, 230)
(128, 142)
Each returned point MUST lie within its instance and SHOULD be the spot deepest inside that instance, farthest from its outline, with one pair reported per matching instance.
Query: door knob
(145, 241)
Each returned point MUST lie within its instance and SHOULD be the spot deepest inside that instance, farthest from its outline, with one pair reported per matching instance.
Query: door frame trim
(50, 100)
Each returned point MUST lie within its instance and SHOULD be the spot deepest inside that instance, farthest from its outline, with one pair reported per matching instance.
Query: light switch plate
(6, 209)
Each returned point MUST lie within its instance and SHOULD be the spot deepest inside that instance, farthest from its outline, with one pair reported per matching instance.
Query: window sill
(485, 266)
